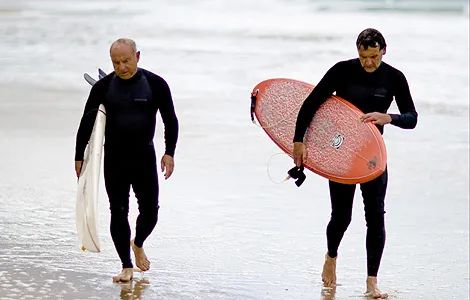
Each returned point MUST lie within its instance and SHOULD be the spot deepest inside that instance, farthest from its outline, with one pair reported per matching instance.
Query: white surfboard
(87, 194)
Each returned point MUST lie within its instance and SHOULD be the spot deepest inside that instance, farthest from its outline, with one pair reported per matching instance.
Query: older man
(132, 96)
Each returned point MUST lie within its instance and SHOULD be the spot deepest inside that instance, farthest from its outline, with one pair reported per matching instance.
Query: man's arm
(86, 126)
(408, 116)
(317, 97)
(170, 121)
(320, 93)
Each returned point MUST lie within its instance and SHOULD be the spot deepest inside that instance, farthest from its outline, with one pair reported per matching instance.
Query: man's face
(124, 60)
(371, 58)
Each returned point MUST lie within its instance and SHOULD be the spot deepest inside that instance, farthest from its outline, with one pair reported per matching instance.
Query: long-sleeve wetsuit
(370, 92)
(129, 154)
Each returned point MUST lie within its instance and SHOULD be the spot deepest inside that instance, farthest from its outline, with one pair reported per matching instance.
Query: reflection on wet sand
(133, 289)
(328, 293)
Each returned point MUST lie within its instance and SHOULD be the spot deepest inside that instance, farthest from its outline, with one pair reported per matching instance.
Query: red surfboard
(339, 146)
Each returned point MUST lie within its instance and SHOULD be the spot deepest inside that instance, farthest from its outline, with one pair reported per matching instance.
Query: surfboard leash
(296, 173)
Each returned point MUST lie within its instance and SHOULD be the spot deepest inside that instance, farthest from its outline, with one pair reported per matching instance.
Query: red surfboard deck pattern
(339, 146)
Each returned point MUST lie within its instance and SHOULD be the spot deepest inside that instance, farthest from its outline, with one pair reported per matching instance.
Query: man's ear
(137, 55)
(384, 50)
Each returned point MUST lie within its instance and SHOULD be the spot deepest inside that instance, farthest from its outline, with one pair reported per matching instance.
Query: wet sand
(225, 230)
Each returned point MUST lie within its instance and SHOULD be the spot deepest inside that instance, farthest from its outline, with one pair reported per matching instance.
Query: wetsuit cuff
(299, 136)
(170, 153)
(78, 157)
(395, 118)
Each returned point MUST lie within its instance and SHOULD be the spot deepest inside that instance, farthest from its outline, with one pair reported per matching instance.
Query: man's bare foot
(141, 260)
(329, 271)
(126, 275)
(372, 289)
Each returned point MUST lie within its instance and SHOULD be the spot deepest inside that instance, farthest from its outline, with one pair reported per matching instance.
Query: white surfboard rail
(86, 212)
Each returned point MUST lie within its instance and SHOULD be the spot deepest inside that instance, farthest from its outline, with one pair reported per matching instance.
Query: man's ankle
(328, 256)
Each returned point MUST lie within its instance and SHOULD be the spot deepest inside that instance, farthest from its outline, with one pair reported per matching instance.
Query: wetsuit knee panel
(119, 210)
(375, 219)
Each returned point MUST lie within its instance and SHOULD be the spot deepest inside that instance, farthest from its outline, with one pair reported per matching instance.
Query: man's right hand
(78, 167)
(299, 153)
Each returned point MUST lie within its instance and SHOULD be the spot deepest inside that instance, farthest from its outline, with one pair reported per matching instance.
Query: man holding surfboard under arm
(371, 85)
(132, 96)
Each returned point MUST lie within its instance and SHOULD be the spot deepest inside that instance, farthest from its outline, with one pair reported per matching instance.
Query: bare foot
(141, 260)
(372, 289)
(329, 271)
(126, 275)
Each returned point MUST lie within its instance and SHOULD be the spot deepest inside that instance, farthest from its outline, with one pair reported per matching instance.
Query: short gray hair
(125, 41)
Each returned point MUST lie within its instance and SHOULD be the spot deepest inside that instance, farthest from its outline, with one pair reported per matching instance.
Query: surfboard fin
(298, 174)
(89, 79)
(92, 80)
(101, 73)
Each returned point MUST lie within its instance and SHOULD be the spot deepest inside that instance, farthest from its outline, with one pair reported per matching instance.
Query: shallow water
(225, 230)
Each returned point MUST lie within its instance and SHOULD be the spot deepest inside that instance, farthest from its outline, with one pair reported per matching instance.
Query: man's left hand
(167, 164)
(376, 118)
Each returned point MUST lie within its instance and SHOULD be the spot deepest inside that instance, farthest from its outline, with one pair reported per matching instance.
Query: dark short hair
(370, 37)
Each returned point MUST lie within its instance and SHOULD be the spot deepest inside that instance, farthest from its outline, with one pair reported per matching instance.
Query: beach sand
(225, 230)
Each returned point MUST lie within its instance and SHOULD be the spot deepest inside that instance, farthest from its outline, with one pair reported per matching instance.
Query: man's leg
(145, 185)
(341, 196)
(373, 193)
(118, 187)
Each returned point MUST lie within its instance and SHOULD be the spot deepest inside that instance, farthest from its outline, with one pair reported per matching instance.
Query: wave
(411, 6)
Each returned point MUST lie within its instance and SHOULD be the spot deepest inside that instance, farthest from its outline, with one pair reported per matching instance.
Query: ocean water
(226, 230)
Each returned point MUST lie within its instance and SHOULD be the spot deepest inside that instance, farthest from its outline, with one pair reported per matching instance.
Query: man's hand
(167, 164)
(78, 167)
(376, 118)
(299, 153)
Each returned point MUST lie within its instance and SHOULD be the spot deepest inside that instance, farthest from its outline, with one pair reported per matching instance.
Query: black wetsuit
(370, 92)
(129, 154)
